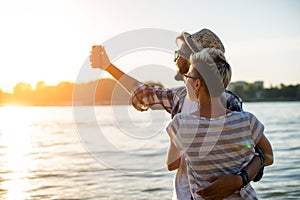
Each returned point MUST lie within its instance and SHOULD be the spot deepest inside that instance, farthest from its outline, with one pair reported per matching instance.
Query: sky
(50, 40)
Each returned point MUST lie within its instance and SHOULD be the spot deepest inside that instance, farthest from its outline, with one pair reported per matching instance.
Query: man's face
(181, 59)
(183, 67)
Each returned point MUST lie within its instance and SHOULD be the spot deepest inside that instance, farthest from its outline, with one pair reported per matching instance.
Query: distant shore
(68, 104)
(109, 92)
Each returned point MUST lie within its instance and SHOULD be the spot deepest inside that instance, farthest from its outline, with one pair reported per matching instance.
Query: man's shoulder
(233, 101)
(230, 94)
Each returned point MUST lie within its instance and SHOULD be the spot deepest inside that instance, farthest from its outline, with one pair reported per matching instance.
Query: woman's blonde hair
(211, 66)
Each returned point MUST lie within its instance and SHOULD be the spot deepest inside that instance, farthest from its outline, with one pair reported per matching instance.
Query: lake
(116, 152)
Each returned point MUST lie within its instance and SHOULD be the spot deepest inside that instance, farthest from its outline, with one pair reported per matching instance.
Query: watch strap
(244, 176)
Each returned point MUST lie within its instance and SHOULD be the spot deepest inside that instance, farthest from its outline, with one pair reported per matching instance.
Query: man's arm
(143, 96)
(126, 81)
(226, 184)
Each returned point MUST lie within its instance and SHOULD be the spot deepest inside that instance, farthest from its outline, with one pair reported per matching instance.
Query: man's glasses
(176, 56)
(187, 76)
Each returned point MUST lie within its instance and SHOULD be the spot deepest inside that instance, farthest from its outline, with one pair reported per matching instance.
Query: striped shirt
(216, 146)
(144, 97)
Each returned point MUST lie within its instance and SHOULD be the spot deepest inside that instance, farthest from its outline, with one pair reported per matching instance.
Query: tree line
(256, 92)
(108, 92)
(99, 92)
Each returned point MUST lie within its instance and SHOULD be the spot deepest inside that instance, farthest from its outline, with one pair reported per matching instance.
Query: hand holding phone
(99, 58)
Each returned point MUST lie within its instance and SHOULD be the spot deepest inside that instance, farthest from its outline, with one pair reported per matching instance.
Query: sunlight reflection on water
(41, 156)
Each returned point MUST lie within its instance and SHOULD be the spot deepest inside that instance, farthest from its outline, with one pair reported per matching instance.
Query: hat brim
(190, 42)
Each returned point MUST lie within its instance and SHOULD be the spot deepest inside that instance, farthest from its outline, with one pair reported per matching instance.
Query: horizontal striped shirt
(214, 146)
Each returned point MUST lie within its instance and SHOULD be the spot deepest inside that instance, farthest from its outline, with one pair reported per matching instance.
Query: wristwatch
(261, 155)
(244, 176)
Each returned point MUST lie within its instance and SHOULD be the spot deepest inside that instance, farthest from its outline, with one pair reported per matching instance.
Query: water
(119, 153)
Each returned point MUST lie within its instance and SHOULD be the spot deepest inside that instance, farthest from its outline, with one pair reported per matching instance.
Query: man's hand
(99, 58)
(221, 187)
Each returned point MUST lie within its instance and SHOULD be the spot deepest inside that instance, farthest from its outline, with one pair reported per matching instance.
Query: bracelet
(245, 178)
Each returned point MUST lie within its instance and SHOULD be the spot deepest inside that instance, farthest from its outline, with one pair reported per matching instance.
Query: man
(174, 101)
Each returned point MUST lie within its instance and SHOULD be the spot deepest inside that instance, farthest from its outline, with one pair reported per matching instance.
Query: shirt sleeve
(173, 130)
(256, 128)
(233, 102)
(144, 97)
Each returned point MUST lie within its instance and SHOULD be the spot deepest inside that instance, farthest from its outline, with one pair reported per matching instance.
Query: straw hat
(204, 38)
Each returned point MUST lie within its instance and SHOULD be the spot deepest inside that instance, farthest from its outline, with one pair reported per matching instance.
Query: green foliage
(252, 92)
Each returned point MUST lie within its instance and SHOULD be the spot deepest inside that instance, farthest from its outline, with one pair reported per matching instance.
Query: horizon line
(85, 82)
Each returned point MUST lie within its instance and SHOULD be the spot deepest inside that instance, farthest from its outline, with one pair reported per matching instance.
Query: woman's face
(189, 80)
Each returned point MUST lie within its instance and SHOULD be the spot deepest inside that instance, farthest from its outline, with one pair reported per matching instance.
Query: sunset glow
(49, 41)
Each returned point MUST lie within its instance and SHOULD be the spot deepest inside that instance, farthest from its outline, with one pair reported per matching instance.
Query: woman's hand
(99, 58)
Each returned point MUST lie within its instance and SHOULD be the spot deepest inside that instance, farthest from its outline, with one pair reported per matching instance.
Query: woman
(214, 139)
